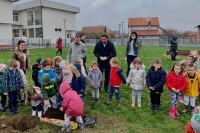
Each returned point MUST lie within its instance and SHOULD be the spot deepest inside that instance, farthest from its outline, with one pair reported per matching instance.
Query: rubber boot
(171, 113)
(176, 110)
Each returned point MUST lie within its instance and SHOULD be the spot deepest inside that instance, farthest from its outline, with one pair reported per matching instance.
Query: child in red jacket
(116, 75)
(72, 105)
(176, 83)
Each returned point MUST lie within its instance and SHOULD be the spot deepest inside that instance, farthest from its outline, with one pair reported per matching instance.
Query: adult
(22, 54)
(77, 50)
(132, 50)
(173, 48)
(104, 50)
(59, 46)
(85, 58)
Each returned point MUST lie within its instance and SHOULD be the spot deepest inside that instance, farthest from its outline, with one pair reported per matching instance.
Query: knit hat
(2, 66)
(45, 78)
(39, 60)
(62, 64)
(49, 60)
(195, 120)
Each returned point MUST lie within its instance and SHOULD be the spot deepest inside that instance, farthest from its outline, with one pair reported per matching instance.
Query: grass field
(122, 119)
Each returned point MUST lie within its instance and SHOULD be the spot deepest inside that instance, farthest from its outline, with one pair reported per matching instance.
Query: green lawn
(114, 119)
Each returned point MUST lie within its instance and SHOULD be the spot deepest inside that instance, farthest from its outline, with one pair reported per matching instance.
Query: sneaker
(118, 103)
(108, 102)
(152, 107)
(133, 104)
(81, 125)
(185, 109)
(65, 130)
(156, 108)
(139, 104)
(11, 113)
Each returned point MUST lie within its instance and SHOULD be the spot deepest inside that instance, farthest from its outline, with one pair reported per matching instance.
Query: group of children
(59, 84)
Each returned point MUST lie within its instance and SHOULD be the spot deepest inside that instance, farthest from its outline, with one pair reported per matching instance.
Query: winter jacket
(19, 55)
(23, 76)
(50, 72)
(59, 44)
(136, 47)
(156, 79)
(35, 70)
(107, 51)
(137, 77)
(116, 75)
(12, 81)
(176, 81)
(50, 89)
(72, 103)
(39, 97)
(192, 86)
(66, 71)
(78, 83)
(57, 69)
(95, 78)
(76, 51)
(1, 83)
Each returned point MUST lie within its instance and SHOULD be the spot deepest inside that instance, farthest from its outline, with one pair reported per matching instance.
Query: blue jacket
(50, 72)
(78, 84)
(1, 83)
(156, 79)
(12, 81)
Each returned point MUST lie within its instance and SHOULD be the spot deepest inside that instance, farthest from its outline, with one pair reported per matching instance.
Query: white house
(40, 20)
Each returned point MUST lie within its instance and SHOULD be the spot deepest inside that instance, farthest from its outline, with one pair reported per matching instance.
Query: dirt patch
(27, 124)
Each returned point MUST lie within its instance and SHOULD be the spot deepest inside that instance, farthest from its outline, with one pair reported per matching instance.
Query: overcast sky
(177, 14)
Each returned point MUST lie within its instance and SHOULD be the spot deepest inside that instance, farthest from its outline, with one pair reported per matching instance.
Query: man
(84, 59)
(173, 48)
(77, 50)
(104, 50)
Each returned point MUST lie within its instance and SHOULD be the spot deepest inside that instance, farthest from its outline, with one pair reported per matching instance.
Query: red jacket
(59, 43)
(72, 103)
(116, 75)
(176, 81)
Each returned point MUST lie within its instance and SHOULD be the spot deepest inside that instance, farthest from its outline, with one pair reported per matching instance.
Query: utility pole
(119, 29)
(122, 33)
(64, 19)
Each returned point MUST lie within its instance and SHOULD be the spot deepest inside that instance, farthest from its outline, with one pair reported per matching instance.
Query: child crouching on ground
(176, 83)
(35, 97)
(137, 80)
(116, 75)
(72, 105)
(12, 83)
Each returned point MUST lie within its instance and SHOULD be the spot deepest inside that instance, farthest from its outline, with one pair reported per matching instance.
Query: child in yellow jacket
(191, 91)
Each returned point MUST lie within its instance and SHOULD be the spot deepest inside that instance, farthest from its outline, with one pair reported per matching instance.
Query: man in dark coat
(104, 50)
(173, 48)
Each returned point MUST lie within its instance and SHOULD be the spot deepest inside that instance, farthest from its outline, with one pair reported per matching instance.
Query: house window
(31, 33)
(58, 29)
(15, 32)
(15, 16)
(68, 35)
(38, 32)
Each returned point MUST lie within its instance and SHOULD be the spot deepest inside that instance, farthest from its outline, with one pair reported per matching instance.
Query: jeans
(12, 102)
(116, 91)
(37, 108)
(155, 98)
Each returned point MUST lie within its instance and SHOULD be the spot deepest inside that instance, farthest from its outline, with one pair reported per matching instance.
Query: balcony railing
(38, 21)
(30, 22)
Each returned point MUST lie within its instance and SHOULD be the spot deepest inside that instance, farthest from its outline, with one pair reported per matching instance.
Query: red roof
(94, 29)
(147, 32)
(143, 21)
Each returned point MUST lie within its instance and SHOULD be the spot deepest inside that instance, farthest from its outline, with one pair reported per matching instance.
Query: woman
(22, 54)
(59, 46)
(132, 48)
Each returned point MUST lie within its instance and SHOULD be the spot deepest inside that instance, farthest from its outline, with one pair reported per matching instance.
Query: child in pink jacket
(72, 105)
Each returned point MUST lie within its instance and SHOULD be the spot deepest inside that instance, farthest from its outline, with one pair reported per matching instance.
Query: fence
(46, 43)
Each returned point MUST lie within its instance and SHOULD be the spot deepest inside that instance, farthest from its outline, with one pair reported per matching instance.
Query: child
(3, 97)
(155, 81)
(66, 71)
(50, 61)
(195, 54)
(80, 61)
(57, 70)
(78, 83)
(35, 69)
(36, 98)
(72, 105)
(49, 90)
(191, 91)
(116, 75)
(46, 69)
(176, 83)
(193, 126)
(137, 80)
(12, 83)
(95, 78)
